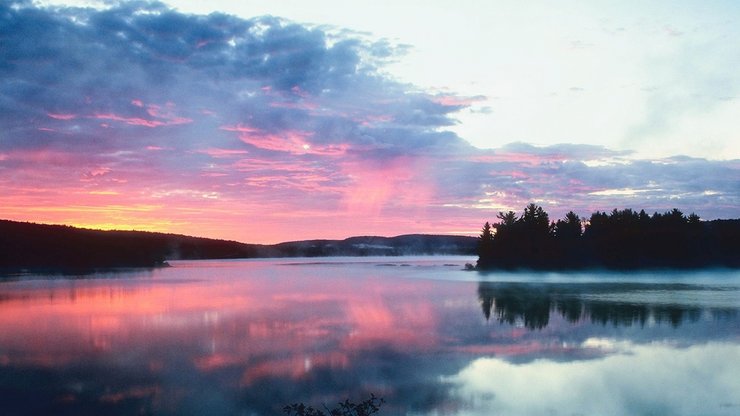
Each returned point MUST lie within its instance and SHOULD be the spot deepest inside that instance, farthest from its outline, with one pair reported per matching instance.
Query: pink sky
(264, 131)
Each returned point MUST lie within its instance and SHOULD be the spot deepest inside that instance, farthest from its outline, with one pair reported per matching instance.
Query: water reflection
(656, 379)
(247, 337)
(603, 303)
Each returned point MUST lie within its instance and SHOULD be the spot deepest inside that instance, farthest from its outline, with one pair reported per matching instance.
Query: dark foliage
(346, 408)
(58, 248)
(622, 239)
(64, 249)
(485, 246)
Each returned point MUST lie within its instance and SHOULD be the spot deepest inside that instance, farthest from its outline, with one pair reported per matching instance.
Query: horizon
(584, 220)
(267, 123)
(235, 241)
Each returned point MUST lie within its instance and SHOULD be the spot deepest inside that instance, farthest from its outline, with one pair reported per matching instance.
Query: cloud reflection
(638, 380)
(229, 337)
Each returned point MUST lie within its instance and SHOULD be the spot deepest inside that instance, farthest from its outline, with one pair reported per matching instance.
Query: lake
(246, 337)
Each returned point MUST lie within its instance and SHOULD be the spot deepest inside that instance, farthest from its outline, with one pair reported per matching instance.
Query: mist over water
(249, 336)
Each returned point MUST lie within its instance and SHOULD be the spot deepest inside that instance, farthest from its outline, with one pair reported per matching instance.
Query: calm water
(246, 337)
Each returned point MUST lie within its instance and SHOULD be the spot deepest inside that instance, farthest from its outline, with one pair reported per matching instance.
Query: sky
(264, 121)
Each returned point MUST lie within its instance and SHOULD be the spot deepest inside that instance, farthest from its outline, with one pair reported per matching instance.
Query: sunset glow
(272, 126)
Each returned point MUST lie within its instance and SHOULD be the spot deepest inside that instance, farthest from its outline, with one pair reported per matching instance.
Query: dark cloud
(264, 71)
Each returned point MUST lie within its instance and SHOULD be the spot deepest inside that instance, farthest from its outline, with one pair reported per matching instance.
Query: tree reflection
(617, 314)
(676, 315)
(570, 309)
(514, 302)
(530, 305)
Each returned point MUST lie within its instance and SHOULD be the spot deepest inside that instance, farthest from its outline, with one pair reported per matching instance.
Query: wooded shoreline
(621, 240)
(41, 248)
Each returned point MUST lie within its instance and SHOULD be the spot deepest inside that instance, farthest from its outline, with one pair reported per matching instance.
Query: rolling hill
(61, 248)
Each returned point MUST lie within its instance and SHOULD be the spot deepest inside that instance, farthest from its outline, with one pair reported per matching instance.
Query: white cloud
(620, 74)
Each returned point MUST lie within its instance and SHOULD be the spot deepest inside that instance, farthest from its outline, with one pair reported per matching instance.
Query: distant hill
(403, 245)
(60, 248)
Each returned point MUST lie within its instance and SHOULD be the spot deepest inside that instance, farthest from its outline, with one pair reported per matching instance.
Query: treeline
(59, 248)
(621, 239)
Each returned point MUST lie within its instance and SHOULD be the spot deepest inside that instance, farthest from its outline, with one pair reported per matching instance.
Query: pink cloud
(167, 112)
(303, 181)
(223, 153)
(160, 116)
(516, 174)
(290, 141)
(98, 171)
(62, 116)
(257, 165)
(293, 141)
(299, 92)
(456, 101)
(294, 177)
(138, 121)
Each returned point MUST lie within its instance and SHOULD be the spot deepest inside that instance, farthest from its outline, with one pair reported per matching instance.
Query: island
(622, 239)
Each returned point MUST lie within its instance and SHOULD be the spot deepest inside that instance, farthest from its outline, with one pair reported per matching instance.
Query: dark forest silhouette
(63, 249)
(58, 248)
(622, 239)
